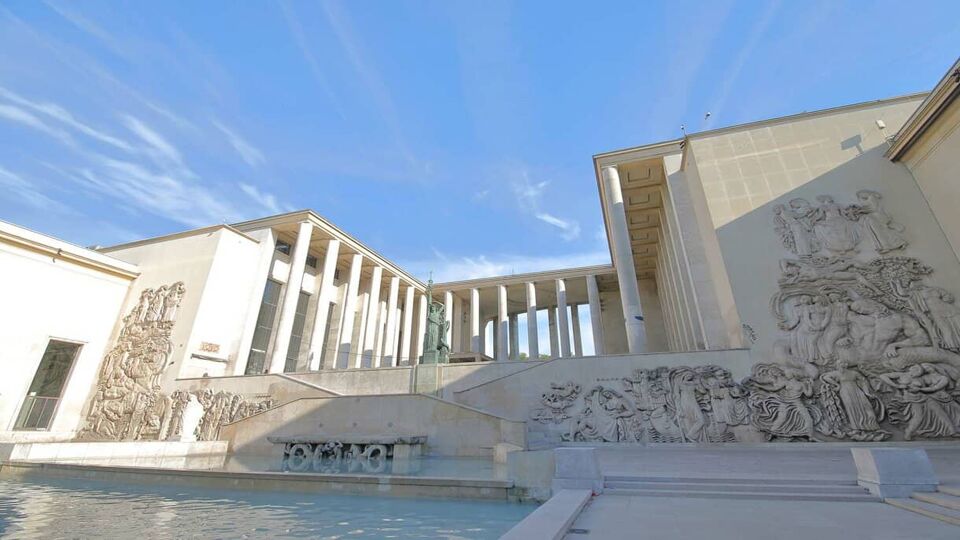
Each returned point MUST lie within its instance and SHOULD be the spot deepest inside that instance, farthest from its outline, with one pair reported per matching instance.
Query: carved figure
(836, 233)
(556, 402)
(778, 402)
(936, 310)
(796, 231)
(850, 389)
(877, 225)
(925, 403)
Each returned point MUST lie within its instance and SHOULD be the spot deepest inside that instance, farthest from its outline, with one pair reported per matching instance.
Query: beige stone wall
(744, 168)
(936, 167)
(451, 429)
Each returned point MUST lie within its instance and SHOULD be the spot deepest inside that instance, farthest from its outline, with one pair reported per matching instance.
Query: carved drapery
(867, 351)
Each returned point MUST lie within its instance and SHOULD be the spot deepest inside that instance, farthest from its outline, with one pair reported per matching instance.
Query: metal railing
(36, 413)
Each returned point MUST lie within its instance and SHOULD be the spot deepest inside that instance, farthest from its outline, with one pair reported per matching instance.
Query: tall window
(296, 335)
(264, 330)
(47, 386)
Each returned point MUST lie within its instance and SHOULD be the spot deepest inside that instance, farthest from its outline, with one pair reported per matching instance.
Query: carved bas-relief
(869, 350)
(128, 404)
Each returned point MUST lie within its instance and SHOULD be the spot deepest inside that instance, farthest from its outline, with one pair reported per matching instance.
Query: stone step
(731, 480)
(763, 495)
(926, 509)
(738, 487)
(949, 490)
(940, 499)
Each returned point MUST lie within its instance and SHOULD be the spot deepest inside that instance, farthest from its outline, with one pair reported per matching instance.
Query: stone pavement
(614, 517)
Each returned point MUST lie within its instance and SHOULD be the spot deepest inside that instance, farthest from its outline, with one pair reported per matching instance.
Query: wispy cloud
(27, 193)
(529, 197)
(293, 22)
(448, 268)
(157, 145)
(25, 118)
(570, 229)
(251, 155)
(266, 200)
(64, 117)
(733, 72)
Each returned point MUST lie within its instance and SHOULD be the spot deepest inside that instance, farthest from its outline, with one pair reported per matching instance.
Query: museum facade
(789, 279)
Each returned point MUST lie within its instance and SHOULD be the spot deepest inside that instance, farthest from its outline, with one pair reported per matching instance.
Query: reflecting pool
(69, 508)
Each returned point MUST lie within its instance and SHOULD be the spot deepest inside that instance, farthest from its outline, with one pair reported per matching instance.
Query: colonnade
(563, 319)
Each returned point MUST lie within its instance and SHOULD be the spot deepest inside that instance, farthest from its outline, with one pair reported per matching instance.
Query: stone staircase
(944, 504)
(798, 489)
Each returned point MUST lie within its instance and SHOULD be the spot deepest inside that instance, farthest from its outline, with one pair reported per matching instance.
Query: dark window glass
(311, 261)
(296, 335)
(283, 247)
(47, 386)
(264, 329)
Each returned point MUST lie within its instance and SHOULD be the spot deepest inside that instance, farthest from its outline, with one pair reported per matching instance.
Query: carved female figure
(777, 402)
(853, 391)
(837, 323)
(877, 225)
(924, 403)
(835, 232)
(935, 308)
(690, 416)
(811, 320)
(727, 400)
(797, 235)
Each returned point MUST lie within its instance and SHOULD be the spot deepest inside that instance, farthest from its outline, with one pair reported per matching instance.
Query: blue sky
(449, 136)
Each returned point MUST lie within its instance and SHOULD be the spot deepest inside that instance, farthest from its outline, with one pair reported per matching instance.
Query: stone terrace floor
(614, 517)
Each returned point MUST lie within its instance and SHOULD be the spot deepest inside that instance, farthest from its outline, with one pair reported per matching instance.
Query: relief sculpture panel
(128, 403)
(868, 350)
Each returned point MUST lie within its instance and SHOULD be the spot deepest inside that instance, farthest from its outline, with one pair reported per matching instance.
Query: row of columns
(506, 342)
(383, 336)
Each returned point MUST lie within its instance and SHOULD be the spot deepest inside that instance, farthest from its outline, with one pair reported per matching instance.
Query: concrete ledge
(353, 484)
(894, 472)
(577, 468)
(552, 519)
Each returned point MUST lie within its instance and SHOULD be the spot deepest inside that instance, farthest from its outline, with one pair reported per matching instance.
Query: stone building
(788, 279)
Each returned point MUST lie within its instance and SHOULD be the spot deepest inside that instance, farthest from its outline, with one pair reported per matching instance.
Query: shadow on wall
(450, 429)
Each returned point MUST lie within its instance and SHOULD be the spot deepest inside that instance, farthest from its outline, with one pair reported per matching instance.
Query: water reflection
(61, 508)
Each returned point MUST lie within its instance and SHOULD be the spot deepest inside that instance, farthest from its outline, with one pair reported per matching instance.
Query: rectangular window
(312, 262)
(264, 329)
(47, 386)
(296, 335)
(283, 247)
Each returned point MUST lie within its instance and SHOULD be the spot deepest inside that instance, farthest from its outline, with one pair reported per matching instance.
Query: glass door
(47, 386)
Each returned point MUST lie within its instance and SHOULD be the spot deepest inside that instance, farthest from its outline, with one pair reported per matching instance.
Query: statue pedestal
(426, 379)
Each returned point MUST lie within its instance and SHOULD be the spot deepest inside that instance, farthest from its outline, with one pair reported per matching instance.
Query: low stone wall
(361, 382)
(280, 389)
(451, 429)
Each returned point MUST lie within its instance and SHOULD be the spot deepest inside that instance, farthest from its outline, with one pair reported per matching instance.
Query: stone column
(404, 354)
(268, 244)
(554, 337)
(575, 324)
(371, 356)
(327, 290)
(502, 323)
(421, 328)
(514, 337)
(349, 311)
(366, 318)
(476, 345)
(291, 294)
(533, 347)
(448, 315)
(596, 320)
(623, 260)
(391, 346)
(456, 328)
(563, 326)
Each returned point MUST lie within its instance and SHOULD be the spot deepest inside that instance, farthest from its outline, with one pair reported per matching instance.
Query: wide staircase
(801, 489)
(944, 504)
